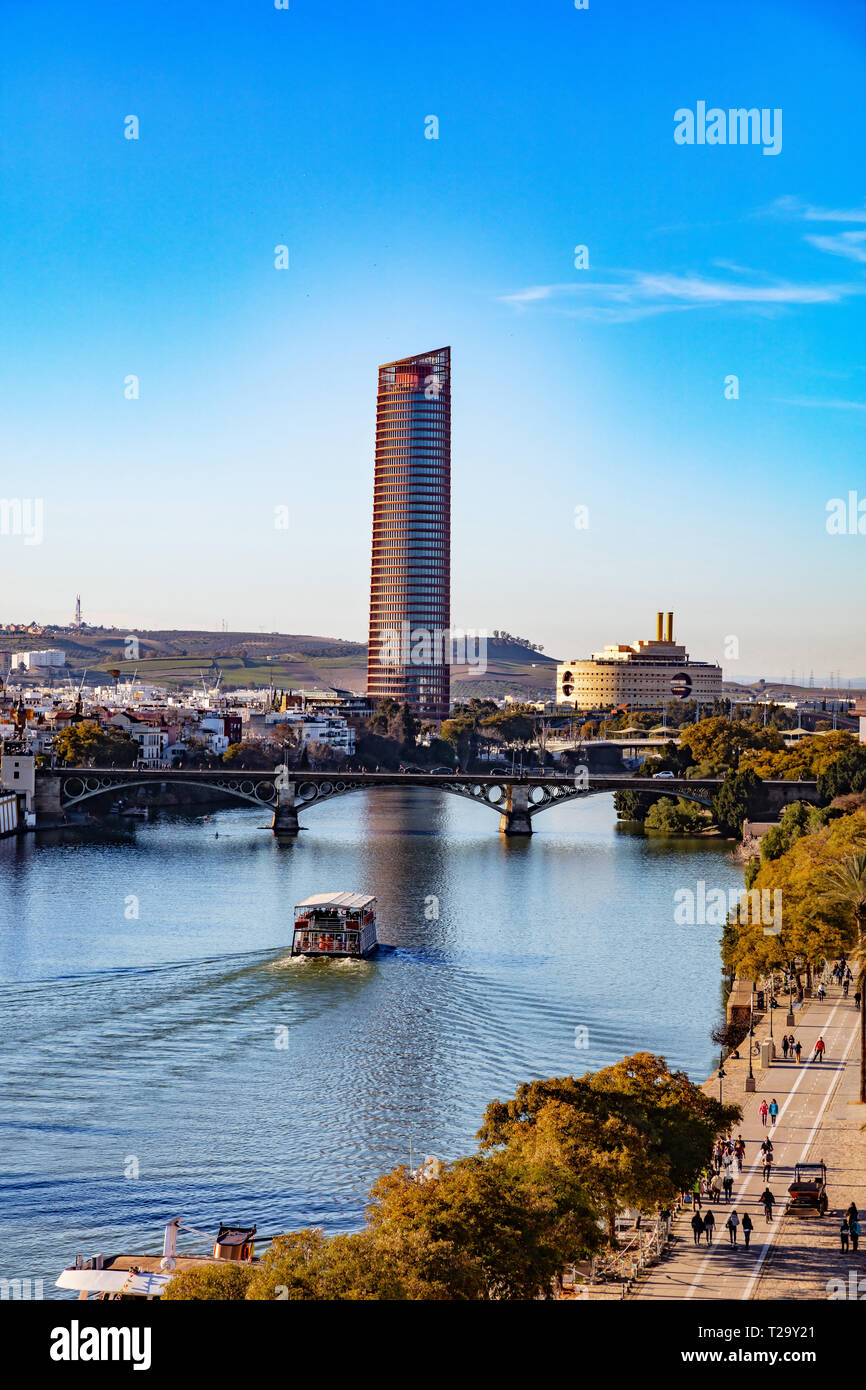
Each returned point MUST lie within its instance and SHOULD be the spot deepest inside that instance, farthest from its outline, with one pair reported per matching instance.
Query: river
(178, 1062)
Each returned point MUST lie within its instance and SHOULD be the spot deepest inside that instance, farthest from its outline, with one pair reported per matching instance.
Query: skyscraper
(410, 587)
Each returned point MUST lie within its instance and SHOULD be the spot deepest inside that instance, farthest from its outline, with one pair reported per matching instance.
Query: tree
(227, 1282)
(733, 802)
(846, 885)
(635, 1134)
(676, 817)
(489, 1227)
(631, 805)
(89, 744)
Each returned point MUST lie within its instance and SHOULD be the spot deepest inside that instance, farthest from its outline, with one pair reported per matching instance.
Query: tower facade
(409, 651)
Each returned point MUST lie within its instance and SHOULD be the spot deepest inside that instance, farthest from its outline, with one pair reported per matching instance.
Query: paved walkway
(793, 1257)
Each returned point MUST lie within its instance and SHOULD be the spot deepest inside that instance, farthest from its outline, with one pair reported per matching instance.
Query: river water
(178, 1062)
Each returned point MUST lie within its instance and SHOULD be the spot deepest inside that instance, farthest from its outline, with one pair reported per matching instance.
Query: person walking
(697, 1227)
(768, 1202)
(852, 1213)
(763, 1109)
(785, 1046)
(715, 1189)
(821, 992)
(746, 1224)
(843, 1233)
(709, 1227)
(854, 1228)
(857, 997)
(845, 984)
(774, 1111)
(731, 1224)
(728, 1185)
(740, 1151)
(727, 1161)
(768, 1166)
(696, 1195)
(798, 1048)
(820, 1050)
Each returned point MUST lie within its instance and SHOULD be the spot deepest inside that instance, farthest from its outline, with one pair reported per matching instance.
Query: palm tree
(847, 886)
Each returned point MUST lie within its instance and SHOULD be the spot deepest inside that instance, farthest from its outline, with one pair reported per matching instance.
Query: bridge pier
(515, 819)
(285, 820)
(47, 803)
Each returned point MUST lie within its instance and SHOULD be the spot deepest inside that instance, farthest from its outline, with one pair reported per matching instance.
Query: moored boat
(120, 1277)
(335, 924)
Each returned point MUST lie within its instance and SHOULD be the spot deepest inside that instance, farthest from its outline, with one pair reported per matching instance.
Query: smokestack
(670, 627)
(659, 619)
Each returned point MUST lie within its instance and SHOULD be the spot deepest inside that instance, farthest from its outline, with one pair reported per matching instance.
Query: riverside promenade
(792, 1257)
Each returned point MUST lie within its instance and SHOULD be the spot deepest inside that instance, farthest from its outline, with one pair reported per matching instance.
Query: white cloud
(807, 212)
(851, 245)
(639, 294)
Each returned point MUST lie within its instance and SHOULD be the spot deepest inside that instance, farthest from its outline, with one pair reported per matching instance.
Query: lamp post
(772, 995)
(789, 1021)
(750, 1079)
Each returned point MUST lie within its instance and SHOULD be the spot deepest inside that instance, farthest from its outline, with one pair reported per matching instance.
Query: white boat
(335, 924)
(119, 1277)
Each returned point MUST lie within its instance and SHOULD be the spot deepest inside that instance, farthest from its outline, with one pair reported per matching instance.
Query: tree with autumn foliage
(634, 1134)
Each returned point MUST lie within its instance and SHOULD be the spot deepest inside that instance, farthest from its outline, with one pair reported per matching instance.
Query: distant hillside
(180, 658)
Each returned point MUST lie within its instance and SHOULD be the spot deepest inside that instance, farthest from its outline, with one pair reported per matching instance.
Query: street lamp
(772, 995)
(750, 1079)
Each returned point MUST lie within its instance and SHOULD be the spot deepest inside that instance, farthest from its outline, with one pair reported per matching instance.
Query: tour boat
(114, 1277)
(335, 924)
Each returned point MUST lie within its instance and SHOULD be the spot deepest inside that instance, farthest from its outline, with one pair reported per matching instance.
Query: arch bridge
(517, 799)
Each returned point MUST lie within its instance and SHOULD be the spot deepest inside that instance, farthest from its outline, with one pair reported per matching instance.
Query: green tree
(89, 744)
(733, 802)
(676, 817)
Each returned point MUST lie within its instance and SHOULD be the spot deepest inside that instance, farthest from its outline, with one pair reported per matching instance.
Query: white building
(52, 656)
(643, 675)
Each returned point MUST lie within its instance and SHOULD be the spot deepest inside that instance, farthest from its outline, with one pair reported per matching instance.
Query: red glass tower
(410, 588)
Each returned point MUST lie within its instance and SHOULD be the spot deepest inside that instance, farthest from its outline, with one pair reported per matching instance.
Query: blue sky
(599, 387)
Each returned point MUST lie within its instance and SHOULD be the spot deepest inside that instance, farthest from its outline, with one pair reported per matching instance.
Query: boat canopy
(141, 1284)
(354, 901)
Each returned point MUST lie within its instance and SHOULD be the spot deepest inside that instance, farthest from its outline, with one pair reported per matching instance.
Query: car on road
(657, 776)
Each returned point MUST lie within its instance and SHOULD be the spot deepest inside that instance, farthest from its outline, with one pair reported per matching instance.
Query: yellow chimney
(670, 626)
(659, 619)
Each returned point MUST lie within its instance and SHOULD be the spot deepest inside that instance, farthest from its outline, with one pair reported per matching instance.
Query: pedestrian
(697, 1227)
(728, 1185)
(768, 1166)
(854, 1227)
(843, 1233)
(851, 1213)
(845, 983)
(709, 1227)
(731, 1224)
(715, 1189)
(763, 1109)
(767, 1147)
(785, 1046)
(774, 1111)
(798, 1047)
(822, 990)
(727, 1161)
(857, 997)
(747, 1228)
(819, 1050)
(696, 1195)
(767, 1201)
(740, 1151)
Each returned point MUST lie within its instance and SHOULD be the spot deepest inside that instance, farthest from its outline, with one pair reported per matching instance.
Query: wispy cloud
(813, 404)
(807, 212)
(851, 245)
(638, 294)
